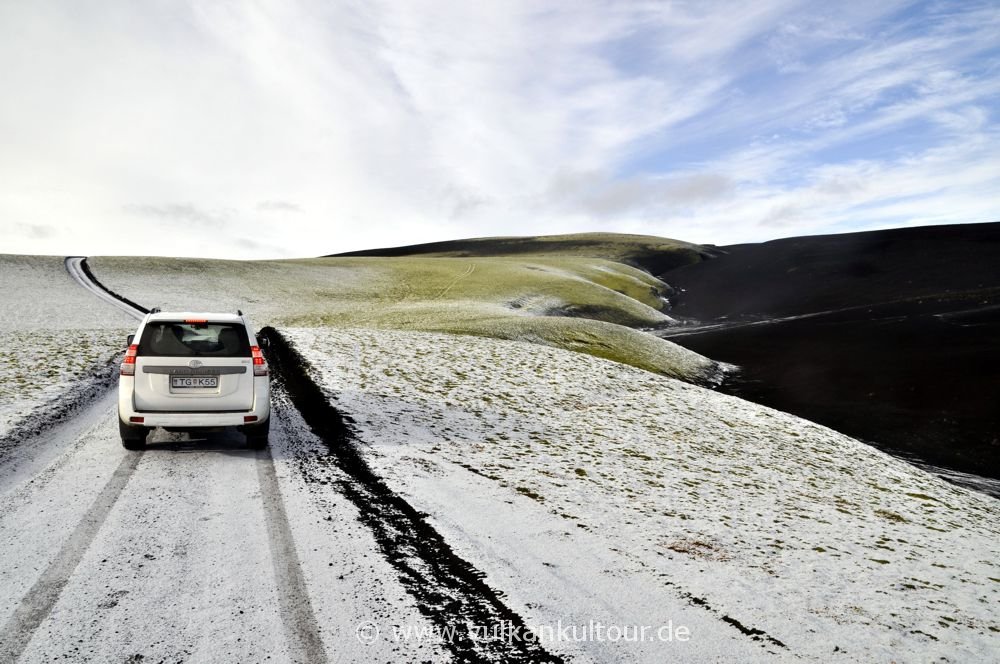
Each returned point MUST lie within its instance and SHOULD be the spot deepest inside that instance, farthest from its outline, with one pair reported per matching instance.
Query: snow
(556, 473)
(181, 565)
(351, 583)
(37, 367)
(36, 293)
(54, 336)
(584, 489)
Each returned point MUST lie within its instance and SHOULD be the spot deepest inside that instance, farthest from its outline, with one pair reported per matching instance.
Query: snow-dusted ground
(54, 335)
(586, 491)
(590, 490)
(38, 366)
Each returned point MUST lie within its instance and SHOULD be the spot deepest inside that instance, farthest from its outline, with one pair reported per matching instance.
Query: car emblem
(194, 364)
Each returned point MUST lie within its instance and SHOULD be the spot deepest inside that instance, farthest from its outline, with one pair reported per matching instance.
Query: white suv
(187, 371)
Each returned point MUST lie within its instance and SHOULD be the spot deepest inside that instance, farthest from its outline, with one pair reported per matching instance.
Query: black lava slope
(889, 336)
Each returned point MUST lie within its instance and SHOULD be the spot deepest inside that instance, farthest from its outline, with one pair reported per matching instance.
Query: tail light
(128, 364)
(259, 363)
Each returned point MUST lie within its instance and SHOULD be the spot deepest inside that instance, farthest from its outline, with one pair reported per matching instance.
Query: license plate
(194, 381)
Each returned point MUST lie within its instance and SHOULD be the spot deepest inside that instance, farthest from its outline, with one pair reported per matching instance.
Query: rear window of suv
(179, 339)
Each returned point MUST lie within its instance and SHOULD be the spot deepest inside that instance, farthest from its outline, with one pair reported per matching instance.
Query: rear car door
(193, 365)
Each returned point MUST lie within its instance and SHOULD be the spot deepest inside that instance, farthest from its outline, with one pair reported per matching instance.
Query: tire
(257, 435)
(133, 437)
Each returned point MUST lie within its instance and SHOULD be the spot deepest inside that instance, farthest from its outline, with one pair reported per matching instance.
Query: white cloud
(297, 128)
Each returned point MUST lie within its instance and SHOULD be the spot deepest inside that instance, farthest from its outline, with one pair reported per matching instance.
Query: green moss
(587, 305)
(890, 516)
(651, 252)
(921, 496)
(525, 491)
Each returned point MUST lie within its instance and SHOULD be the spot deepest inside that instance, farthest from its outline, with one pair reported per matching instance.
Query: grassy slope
(656, 255)
(583, 304)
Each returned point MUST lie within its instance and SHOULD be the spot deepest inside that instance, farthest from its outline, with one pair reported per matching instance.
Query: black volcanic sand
(892, 337)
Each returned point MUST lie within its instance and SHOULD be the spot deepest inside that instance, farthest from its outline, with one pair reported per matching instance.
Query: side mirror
(131, 338)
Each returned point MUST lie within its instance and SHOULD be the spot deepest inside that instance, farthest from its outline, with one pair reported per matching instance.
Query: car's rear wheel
(133, 437)
(257, 434)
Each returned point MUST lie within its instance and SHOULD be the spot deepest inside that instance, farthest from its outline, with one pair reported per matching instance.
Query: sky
(284, 129)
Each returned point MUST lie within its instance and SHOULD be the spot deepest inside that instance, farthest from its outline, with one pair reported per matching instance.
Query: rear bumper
(194, 419)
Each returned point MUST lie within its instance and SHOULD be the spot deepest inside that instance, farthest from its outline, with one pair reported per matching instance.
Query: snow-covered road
(77, 268)
(102, 561)
(184, 552)
(196, 549)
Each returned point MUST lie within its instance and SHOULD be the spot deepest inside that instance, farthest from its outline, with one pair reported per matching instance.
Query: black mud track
(96, 282)
(449, 591)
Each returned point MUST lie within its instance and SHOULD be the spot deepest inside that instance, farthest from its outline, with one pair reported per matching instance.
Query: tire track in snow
(450, 591)
(38, 603)
(468, 272)
(80, 271)
(301, 628)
